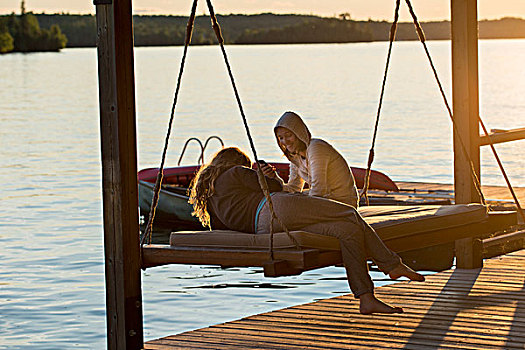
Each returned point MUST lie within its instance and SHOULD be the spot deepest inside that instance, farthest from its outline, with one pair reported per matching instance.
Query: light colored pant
(323, 216)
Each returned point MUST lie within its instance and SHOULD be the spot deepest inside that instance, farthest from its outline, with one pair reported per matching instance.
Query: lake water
(52, 270)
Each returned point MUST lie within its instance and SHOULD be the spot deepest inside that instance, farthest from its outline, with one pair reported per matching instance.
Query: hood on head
(295, 124)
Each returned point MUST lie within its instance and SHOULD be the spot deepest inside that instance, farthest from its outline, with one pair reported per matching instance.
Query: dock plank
(453, 309)
(492, 192)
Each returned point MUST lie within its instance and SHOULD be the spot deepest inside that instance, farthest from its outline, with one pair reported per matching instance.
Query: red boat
(173, 203)
(182, 176)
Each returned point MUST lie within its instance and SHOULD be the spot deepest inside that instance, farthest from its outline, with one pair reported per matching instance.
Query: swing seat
(402, 228)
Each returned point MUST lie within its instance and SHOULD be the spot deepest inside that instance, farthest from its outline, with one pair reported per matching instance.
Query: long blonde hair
(203, 184)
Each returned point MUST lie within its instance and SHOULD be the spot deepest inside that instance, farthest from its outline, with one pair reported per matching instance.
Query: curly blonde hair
(202, 186)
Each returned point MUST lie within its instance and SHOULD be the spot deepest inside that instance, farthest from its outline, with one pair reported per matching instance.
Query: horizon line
(144, 13)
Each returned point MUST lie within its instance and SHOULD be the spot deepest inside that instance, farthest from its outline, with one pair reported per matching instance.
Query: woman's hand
(268, 170)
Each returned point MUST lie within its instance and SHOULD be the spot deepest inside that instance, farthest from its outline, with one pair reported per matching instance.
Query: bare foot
(404, 271)
(369, 304)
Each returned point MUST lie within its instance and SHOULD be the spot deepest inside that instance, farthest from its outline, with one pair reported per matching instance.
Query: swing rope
(421, 36)
(393, 29)
(262, 180)
(477, 183)
(260, 175)
(518, 206)
(422, 39)
(149, 228)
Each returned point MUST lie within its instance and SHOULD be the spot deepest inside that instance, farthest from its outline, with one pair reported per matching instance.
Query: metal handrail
(208, 140)
(186, 145)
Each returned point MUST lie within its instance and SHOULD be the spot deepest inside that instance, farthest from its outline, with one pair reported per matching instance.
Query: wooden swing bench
(402, 228)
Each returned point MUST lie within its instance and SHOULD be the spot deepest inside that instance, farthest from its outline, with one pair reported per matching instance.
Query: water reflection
(52, 272)
(246, 285)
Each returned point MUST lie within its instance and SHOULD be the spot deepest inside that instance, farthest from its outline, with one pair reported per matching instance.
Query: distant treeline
(267, 29)
(325, 30)
(23, 34)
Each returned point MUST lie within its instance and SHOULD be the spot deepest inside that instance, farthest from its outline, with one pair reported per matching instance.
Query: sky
(359, 9)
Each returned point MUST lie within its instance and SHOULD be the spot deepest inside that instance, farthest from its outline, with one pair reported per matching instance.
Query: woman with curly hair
(227, 190)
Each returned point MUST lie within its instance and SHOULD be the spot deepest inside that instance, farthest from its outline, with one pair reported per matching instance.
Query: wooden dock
(498, 197)
(454, 309)
(490, 192)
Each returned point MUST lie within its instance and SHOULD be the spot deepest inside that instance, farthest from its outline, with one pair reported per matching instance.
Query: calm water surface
(51, 276)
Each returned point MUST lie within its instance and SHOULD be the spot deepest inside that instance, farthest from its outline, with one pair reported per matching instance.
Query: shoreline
(253, 44)
(268, 29)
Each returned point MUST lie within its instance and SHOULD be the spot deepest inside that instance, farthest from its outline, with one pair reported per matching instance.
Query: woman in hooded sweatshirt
(228, 190)
(314, 161)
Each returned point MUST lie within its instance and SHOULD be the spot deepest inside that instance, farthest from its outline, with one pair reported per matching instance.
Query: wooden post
(119, 174)
(465, 97)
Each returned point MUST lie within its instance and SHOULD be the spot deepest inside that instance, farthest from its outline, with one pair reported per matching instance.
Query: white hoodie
(324, 168)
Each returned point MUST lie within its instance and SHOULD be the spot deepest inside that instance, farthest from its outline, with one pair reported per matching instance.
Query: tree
(6, 40)
(27, 36)
(345, 16)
